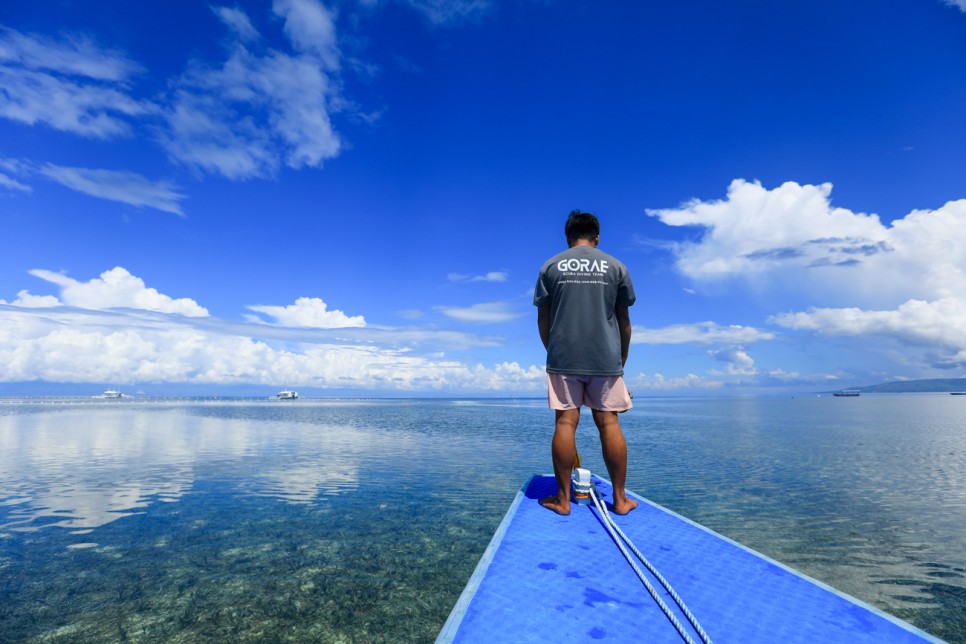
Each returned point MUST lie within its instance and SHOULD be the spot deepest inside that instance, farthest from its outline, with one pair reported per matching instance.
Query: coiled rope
(614, 530)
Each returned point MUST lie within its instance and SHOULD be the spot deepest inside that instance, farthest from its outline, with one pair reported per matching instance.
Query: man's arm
(624, 326)
(543, 324)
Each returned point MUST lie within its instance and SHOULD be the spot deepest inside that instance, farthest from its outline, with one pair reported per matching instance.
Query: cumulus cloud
(69, 84)
(131, 346)
(309, 312)
(25, 299)
(791, 237)
(125, 187)
(961, 4)
(902, 283)
(699, 333)
(938, 326)
(260, 110)
(115, 288)
(736, 360)
(115, 329)
(486, 312)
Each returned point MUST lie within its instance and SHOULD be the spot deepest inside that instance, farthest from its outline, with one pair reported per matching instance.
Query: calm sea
(361, 521)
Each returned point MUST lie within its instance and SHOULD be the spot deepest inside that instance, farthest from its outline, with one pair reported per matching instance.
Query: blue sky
(355, 197)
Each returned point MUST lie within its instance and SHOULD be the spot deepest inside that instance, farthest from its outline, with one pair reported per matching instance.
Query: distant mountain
(936, 385)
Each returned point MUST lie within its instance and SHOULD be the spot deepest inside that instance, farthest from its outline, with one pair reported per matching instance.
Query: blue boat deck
(548, 578)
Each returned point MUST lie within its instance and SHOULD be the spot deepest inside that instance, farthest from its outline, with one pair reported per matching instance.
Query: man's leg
(564, 450)
(614, 449)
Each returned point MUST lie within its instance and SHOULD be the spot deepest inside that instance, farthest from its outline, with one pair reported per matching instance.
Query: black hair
(581, 225)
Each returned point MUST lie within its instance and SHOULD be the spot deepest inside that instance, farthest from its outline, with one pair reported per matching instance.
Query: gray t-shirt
(583, 287)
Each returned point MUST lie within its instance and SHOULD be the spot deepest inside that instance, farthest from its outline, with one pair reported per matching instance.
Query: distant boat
(847, 392)
(287, 395)
(112, 394)
(958, 393)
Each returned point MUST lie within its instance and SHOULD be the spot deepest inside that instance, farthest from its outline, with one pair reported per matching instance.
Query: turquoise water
(361, 521)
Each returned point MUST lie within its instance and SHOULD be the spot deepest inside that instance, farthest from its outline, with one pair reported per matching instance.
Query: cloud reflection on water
(82, 467)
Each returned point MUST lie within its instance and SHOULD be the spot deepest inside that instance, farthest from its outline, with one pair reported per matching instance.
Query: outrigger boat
(551, 578)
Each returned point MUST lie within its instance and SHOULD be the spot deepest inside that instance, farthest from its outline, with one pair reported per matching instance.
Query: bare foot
(624, 506)
(553, 503)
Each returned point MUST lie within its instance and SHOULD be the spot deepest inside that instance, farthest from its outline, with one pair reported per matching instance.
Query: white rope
(614, 530)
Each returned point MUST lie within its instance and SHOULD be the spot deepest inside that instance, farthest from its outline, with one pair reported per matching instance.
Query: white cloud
(938, 326)
(309, 312)
(115, 288)
(492, 276)
(260, 111)
(755, 230)
(903, 284)
(25, 299)
(660, 382)
(238, 22)
(114, 329)
(311, 28)
(486, 312)
(699, 333)
(69, 84)
(125, 187)
(736, 359)
(791, 239)
(71, 55)
(128, 346)
(13, 184)
(961, 4)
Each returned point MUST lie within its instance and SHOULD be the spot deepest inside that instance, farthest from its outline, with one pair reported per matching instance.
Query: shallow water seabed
(219, 565)
(362, 522)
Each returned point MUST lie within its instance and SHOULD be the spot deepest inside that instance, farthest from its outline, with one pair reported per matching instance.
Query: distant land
(935, 385)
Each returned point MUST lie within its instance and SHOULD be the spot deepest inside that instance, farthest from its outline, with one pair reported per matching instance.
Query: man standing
(582, 296)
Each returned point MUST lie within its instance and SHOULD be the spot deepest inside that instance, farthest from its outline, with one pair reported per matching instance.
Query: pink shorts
(604, 393)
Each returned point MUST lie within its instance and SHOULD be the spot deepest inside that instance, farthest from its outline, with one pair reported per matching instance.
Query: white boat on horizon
(287, 395)
(111, 394)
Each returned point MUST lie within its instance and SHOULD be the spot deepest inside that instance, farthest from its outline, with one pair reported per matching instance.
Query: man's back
(583, 287)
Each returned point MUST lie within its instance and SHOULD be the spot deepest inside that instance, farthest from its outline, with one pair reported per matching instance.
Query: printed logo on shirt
(582, 266)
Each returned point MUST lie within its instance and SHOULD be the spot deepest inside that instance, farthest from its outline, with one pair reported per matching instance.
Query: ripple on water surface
(362, 520)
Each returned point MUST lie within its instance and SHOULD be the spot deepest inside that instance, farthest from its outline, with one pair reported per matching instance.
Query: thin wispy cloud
(69, 84)
(121, 186)
(492, 276)
(246, 117)
(699, 333)
(259, 111)
(483, 313)
(238, 21)
(12, 184)
(446, 12)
